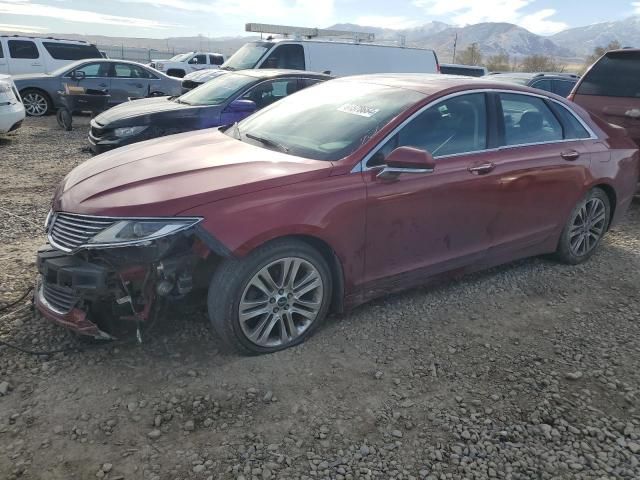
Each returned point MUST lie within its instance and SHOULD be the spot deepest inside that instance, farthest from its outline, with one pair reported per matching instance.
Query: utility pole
(455, 45)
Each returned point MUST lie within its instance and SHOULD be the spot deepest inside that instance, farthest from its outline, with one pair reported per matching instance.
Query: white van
(336, 57)
(41, 55)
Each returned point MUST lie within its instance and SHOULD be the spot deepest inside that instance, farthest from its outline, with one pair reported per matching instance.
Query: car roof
(432, 83)
(280, 72)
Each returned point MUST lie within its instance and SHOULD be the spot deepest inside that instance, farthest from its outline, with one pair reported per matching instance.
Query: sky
(217, 18)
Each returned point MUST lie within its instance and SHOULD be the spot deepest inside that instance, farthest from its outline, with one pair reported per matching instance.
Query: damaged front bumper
(105, 292)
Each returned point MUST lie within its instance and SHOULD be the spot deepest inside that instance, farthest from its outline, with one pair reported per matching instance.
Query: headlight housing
(140, 231)
(129, 131)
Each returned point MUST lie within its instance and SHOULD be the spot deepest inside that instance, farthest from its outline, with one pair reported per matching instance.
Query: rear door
(128, 80)
(539, 171)
(611, 89)
(24, 57)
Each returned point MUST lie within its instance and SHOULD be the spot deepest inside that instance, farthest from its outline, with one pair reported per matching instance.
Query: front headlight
(129, 131)
(138, 231)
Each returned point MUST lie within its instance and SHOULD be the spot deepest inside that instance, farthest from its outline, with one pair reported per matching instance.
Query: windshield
(247, 56)
(181, 57)
(68, 67)
(328, 121)
(218, 90)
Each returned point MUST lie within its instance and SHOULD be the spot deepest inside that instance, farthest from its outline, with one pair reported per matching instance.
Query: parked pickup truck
(180, 65)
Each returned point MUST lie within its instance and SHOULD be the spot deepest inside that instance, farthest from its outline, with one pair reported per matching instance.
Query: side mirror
(407, 160)
(241, 106)
(193, 61)
(237, 110)
(78, 75)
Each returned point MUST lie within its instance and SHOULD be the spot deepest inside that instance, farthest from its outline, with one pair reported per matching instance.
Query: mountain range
(492, 38)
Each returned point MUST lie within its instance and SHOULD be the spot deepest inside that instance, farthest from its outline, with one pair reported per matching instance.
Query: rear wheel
(585, 228)
(36, 102)
(271, 300)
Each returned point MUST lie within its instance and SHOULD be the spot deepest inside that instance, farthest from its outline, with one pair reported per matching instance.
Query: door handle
(103, 85)
(36, 64)
(137, 85)
(482, 169)
(570, 155)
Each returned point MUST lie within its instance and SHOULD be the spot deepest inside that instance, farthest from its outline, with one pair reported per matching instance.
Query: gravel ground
(528, 371)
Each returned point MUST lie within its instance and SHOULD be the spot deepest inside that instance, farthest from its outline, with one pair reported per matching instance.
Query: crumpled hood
(166, 176)
(136, 108)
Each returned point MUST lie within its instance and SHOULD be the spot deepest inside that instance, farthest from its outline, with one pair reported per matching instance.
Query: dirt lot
(529, 371)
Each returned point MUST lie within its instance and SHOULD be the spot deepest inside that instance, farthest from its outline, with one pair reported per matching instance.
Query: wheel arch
(43, 92)
(329, 255)
(613, 198)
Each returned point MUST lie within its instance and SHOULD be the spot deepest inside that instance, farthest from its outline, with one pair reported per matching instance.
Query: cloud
(382, 21)
(537, 22)
(11, 27)
(25, 7)
(464, 12)
(307, 13)
(636, 6)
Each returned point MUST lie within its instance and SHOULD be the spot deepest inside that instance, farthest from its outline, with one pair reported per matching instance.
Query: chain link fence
(142, 55)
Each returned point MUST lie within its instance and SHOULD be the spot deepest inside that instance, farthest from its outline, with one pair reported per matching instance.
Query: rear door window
(617, 74)
(23, 49)
(573, 128)
(125, 70)
(289, 56)
(527, 120)
(71, 51)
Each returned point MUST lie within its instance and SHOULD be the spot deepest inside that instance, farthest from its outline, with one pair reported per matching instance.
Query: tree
(599, 51)
(540, 63)
(470, 56)
(498, 63)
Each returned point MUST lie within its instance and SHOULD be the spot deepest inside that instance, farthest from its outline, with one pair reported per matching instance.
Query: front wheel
(585, 228)
(272, 299)
(36, 103)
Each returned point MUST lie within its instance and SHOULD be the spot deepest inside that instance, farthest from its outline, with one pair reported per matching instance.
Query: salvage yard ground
(529, 371)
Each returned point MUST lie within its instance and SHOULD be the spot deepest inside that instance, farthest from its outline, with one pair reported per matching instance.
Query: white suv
(11, 108)
(185, 63)
(41, 55)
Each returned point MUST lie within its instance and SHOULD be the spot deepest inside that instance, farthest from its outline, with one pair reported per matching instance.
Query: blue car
(224, 100)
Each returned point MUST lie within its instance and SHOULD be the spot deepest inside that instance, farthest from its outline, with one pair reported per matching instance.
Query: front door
(96, 76)
(426, 223)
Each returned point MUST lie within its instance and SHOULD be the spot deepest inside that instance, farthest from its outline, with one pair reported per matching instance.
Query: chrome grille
(62, 299)
(69, 231)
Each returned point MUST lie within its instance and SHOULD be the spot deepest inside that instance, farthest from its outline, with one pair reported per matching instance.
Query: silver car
(121, 79)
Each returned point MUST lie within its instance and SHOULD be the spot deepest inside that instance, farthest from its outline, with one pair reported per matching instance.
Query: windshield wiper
(267, 142)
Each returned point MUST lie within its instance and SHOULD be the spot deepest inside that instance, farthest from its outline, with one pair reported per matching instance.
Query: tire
(233, 287)
(37, 103)
(579, 241)
(175, 73)
(65, 120)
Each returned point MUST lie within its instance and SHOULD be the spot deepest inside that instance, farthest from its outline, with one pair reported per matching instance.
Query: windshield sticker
(360, 110)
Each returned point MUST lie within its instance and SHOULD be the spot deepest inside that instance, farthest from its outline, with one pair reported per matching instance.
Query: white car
(185, 63)
(11, 109)
(41, 55)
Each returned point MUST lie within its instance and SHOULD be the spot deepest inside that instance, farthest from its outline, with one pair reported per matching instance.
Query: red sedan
(340, 193)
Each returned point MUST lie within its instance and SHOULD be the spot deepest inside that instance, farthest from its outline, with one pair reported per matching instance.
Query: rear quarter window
(617, 74)
(1, 52)
(70, 51)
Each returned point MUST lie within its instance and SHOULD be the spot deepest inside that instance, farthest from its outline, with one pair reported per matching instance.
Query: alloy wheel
(35, 104)
(281, 302)
(588, 227)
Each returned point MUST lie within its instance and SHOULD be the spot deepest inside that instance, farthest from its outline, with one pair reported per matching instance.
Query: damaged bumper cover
(97, 275)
